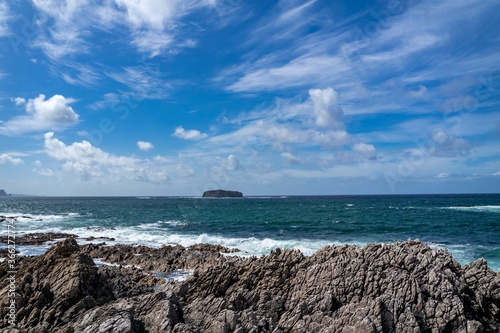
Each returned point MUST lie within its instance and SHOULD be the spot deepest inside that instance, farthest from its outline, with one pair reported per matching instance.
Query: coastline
(466, 225)
(402, 287)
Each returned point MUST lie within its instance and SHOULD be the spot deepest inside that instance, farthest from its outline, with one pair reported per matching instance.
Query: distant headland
(3, 193)
(222, 194)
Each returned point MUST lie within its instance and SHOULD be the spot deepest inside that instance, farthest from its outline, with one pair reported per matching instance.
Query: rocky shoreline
(403, 287)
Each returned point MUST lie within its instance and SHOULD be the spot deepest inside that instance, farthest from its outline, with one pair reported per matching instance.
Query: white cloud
(91, 163)
(189, 135)
(152, 42)
(345, 56)
(330, 139)
(83, 152)
(153, 13)
(163, 159)
(292, 18)
(326, 109)
(291, 158)
(307, 70)
(443, 175)
(75, 73)
(5, 158)
(37, 163)
(63, 37)
(145, 82)
(366, 150)
(283, 133)
(152, 24)
(316, 122)
(110, 99)
(233, 163)
(496, 173)
(145, 145)
(84, 171)
(185, 170)
(51, 114)
(449, 145)
(18, 100)
(44, 172)
(4, 17)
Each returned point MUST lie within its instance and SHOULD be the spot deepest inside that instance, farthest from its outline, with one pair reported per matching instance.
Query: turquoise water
(468, 225)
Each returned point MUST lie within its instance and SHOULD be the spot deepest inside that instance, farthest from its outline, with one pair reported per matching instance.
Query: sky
(170, 97)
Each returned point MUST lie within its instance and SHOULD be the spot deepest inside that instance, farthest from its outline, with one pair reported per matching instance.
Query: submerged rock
(403, 287)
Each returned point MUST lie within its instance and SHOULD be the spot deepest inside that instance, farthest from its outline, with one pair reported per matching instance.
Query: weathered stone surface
(52, 289)
(403, 287)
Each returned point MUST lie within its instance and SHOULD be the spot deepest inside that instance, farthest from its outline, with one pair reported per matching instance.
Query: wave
(464, 253)
(152, 234)
(488, 208)
(252, 246)
(21, 217)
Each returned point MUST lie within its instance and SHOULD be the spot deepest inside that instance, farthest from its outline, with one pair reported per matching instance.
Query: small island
(222, 194)
(3, 193)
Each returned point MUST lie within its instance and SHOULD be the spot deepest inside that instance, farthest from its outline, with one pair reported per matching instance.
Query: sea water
(467, 225)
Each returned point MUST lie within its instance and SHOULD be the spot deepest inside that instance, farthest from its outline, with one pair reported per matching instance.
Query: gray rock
(403, 287)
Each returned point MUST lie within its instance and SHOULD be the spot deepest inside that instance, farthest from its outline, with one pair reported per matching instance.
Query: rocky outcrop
(222, 194)
(52, 289)
(163, 259)
(404, 287)
(37, 238)
(3, 193)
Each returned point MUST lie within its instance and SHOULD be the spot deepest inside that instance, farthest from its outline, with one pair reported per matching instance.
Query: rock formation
(2, 193)
(404, 287)
(222, 194)
(37, 238)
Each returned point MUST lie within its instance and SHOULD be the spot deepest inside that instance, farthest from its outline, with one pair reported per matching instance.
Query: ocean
(468, 225)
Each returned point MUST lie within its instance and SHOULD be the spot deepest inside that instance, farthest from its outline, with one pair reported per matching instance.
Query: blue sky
(169, 97)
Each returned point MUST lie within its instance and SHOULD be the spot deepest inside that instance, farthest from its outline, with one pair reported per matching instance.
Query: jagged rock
(153, 313)
(52, 289)
(403, 287)
(222, 194)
